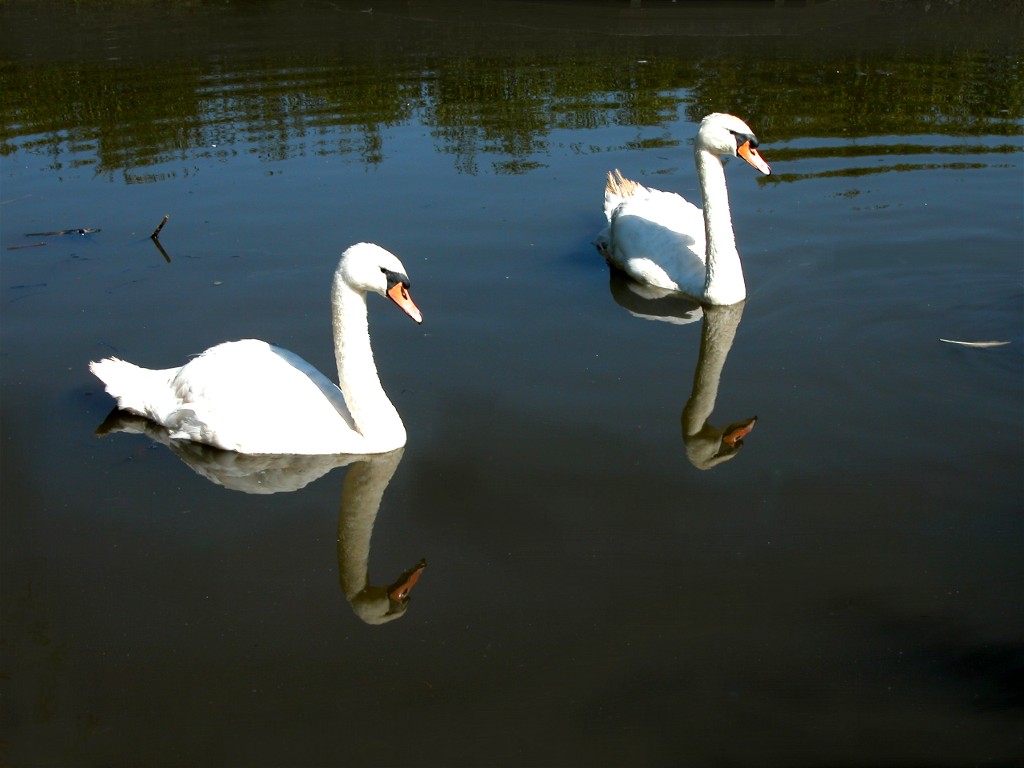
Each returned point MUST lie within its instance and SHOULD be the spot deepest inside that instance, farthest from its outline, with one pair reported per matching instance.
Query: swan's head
(368, 267)
(728, 135)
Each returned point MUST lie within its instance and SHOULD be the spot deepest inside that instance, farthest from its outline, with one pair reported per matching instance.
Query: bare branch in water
(78, 231)
(156, 232)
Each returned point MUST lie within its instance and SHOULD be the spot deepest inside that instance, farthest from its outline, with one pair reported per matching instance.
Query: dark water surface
(844, 591)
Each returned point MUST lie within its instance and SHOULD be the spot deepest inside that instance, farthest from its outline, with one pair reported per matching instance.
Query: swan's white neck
(375, 417)
(723, 282)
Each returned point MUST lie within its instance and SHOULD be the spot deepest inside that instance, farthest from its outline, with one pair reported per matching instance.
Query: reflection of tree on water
(366, 481)
(707, 446)
(498, 80)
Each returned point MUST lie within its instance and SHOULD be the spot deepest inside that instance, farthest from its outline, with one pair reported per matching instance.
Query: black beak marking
(394, 278)
(741, 138)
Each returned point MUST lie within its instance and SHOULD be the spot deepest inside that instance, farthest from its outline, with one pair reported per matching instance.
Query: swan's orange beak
(735, 433)
(399, 591)
(399, 294)
(752, 156)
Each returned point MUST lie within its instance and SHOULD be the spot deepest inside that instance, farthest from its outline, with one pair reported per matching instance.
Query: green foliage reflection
(207, 80)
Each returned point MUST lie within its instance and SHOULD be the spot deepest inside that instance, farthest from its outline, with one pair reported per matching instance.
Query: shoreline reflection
(73, 103)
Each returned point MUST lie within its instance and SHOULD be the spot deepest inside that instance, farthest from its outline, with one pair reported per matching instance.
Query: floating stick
(78, 231)
(156, 232)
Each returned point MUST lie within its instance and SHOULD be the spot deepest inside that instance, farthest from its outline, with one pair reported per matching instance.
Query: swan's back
(247, 396)
(655, 237)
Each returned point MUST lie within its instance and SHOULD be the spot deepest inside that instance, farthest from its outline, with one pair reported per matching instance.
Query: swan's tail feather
(616, 189)
(141, 391)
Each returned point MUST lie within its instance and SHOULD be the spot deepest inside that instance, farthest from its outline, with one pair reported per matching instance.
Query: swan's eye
(395, 278)
(742, 138)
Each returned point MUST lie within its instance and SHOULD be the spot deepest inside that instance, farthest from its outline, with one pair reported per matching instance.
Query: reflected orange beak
(735, 433)
(399, 294)
(399, 591)
(752, 156)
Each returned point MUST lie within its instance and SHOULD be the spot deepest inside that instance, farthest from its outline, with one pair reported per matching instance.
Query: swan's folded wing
(659, 239)
(240, 395)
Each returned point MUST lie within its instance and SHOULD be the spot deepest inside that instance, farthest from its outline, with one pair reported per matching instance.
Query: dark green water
(844, 591)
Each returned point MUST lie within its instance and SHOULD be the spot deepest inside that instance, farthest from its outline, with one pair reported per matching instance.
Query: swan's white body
(253, 397)
(662, 240)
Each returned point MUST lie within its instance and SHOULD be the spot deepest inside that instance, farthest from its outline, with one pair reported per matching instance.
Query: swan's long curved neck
(374, 415)
(723, 282)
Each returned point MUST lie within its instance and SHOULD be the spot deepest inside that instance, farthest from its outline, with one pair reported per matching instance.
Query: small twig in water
(79, 231)
(156, 232)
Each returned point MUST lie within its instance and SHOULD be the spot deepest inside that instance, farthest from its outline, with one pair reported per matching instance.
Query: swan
(252, 397)
(660, 239)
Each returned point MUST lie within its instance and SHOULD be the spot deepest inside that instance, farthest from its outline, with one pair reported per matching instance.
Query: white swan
(252, 397)
(660, 239)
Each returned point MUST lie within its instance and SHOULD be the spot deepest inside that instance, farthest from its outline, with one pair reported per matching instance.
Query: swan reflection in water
(366, 480)
(707, 446)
